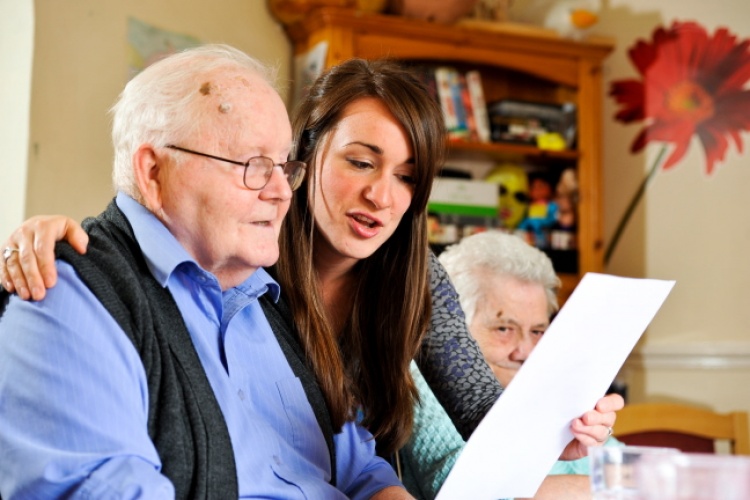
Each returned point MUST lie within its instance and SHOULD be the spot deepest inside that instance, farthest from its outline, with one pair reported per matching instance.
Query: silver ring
(609, 431)
(8, 252)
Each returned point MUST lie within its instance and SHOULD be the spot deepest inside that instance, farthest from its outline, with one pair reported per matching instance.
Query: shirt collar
(163, 253)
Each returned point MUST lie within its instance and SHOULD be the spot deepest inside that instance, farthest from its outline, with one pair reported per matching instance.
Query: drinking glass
(693, 476)
(613, 470)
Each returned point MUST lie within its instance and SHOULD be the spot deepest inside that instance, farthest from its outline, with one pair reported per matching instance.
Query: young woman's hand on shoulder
(28, 264)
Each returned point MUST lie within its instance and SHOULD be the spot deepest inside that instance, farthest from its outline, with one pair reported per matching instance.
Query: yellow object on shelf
(550, 141)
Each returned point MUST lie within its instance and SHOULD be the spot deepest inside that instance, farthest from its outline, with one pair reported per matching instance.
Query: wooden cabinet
(518, 63)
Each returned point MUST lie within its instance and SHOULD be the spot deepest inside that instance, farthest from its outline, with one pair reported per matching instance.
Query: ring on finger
(7, 252)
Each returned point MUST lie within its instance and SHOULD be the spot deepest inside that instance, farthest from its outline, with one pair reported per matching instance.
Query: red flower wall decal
(692, 85)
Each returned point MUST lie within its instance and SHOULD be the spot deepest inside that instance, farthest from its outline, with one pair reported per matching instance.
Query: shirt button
(241, 394)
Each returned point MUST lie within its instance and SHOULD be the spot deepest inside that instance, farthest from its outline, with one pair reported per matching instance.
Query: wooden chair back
(688, 428)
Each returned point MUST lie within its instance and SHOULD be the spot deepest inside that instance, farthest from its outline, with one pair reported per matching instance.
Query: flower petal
(693, 83)
(630, 94)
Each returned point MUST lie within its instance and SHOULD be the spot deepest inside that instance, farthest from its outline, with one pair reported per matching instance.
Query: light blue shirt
(74, 397)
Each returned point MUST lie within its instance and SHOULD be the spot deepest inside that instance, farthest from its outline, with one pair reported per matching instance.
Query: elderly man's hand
(594, 427)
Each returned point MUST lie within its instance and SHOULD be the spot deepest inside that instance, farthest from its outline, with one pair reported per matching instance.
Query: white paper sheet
(515, 446)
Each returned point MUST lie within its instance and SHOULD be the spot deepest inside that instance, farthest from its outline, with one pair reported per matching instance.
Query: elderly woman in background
(508, 291)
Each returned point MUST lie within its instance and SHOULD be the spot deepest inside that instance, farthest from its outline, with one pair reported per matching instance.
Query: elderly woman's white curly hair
(499, 254)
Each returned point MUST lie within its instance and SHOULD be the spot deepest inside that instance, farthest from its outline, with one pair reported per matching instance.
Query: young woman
(355, 273)
(365, 294)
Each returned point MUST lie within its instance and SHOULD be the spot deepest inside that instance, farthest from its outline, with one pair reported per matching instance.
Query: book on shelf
(445, 87)
(462, 127)
(461, 99)
(478, 105)
(426, 75)
(472, 133)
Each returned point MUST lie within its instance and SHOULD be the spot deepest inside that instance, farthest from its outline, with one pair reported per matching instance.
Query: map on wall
(147, 44)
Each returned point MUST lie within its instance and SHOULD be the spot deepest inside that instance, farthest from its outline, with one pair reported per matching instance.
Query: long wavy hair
(366, 365)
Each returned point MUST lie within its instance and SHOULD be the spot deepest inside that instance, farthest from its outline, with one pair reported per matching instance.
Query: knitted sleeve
(433, 447)
(451, 361)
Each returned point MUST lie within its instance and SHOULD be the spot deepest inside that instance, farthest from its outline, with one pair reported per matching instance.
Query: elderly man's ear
(147, 169)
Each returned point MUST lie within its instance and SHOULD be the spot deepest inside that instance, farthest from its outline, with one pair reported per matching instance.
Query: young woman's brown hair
(365, 363)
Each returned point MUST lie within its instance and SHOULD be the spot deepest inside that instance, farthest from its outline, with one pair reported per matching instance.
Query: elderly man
(151, 370)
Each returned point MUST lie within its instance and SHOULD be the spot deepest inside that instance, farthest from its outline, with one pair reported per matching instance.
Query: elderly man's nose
(278, 186)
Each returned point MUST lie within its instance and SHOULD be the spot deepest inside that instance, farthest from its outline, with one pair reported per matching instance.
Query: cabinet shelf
(515, 62)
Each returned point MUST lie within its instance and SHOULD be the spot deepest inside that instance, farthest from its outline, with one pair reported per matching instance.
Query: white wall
(16, 48)
(689, 227)
(80, 66)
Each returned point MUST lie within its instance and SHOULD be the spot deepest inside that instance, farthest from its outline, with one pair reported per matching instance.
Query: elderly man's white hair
(494, 253)
(155, 106)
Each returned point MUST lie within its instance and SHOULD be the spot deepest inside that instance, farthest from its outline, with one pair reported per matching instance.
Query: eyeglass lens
(259, 169)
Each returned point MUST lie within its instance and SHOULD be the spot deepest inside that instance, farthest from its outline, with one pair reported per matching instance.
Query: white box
(464, 197)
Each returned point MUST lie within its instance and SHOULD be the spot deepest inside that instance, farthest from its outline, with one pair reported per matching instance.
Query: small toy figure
(513, 193)
(569, 18)
(573, 18)
(542, 213)
(563, 233)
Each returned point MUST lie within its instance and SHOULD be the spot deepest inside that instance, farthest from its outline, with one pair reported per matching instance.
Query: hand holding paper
(521, 437)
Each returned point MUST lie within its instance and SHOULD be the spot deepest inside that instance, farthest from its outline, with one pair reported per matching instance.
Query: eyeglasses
(258, 169)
